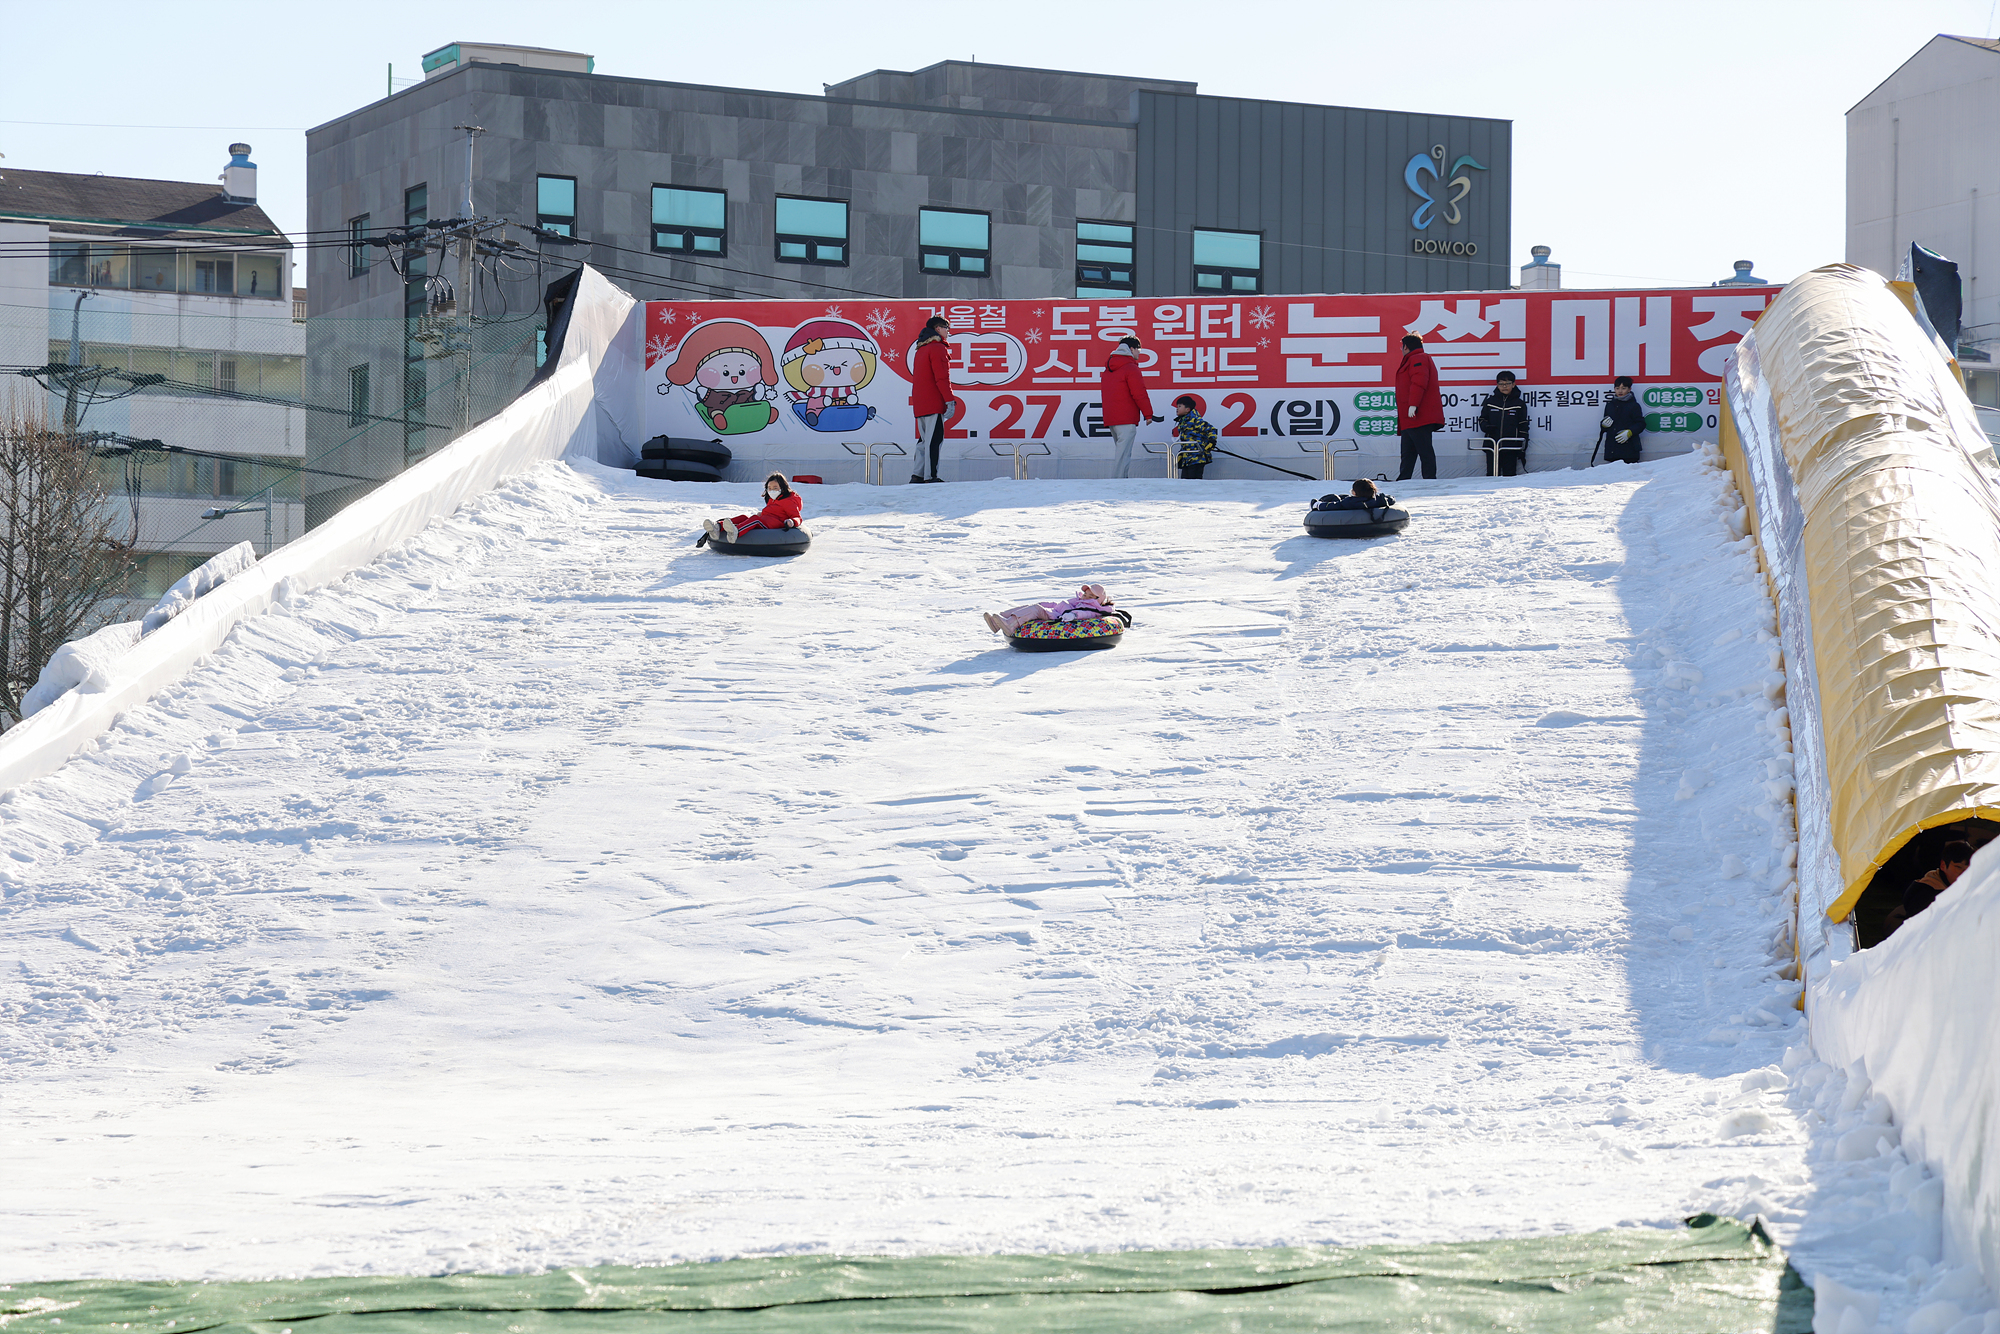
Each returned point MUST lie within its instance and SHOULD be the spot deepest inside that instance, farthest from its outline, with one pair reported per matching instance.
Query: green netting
(1716, 1275)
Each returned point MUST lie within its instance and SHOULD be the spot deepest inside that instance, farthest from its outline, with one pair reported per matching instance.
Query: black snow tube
(711, 453)
(677, 470)
(764, 542)
(1357, 523)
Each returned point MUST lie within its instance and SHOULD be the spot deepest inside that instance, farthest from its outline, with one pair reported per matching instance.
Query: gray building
(959, 182)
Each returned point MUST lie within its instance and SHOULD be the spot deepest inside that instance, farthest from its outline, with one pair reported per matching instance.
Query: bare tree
(65, 550)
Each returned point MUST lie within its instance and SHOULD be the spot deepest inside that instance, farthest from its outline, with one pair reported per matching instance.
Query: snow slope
(551, 892)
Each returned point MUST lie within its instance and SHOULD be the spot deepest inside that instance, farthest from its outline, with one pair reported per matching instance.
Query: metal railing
(1491, 448)
(1020, 459)
(1326, 451)
(874, 457)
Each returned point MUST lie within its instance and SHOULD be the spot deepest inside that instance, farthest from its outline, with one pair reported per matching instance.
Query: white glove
(1606, 423)
(1413, 412)
(1623, 436)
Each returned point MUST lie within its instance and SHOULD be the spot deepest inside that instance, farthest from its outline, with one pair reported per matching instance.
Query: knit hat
(819, 335)
(716, 337)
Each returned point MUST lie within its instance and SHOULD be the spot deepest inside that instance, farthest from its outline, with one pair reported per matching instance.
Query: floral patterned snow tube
(1099, 632)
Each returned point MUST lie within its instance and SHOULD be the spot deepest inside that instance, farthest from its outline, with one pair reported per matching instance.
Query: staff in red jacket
(930, 393)
(1125, 402)
(1419, 409)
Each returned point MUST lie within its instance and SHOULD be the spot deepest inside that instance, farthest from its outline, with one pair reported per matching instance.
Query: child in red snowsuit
(782, 509)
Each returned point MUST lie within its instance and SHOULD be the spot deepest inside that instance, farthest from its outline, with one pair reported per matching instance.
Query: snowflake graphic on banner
(666, 317)
(833, 312)
(1263, 316)
(1033, 335)
(881, 322)
(1038, 313)
(658, 348)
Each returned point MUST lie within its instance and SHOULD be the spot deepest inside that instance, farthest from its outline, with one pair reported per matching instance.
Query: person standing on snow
(1503, 419)
(1419, 409)
(1624, 422)
(1197, 439)
(931, 393)
(1125, 404)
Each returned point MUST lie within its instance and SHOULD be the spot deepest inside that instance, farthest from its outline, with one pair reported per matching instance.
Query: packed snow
(552, 892)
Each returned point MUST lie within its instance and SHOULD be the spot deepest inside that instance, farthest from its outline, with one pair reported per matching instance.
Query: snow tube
(678, 470)
(764, 542)
(1058, 636)
(1356, 523)
(712, 453)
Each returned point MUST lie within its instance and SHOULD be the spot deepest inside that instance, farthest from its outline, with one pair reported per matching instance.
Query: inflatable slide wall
(1870, 491)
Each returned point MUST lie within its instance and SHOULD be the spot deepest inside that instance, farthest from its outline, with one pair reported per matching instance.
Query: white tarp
(554, 417)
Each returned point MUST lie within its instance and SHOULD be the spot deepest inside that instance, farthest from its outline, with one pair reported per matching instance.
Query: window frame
(954, 257)
(357, 253)
(1226, 275)
(359, 395)
(813, 244)
(556, 222)
(719, 234)
(1108, 288)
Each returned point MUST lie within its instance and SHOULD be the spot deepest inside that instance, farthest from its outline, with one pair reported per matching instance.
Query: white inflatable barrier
(556, 416)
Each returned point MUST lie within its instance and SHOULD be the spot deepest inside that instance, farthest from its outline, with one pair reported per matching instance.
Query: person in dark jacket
(931, 394)
(1624, 422)
(1419, 408)
(1363, 495)
(1953, 858)
(1197, 439)
(1503, 419)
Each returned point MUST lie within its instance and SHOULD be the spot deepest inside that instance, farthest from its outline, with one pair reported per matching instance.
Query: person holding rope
(1196, 437)
(1125, 402)
(931, 394)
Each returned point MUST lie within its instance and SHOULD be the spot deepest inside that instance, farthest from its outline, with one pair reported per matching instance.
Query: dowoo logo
(1456, 181)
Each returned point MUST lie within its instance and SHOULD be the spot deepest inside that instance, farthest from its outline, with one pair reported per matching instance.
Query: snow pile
(205, 578)
(1912, 1020)
(549, 891)
(86, 663)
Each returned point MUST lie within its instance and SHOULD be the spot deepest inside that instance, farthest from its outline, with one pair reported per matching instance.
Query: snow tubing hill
(765, 542)
(1713, 1274)
(1061, 636)
(673, 449)
(1356, 523)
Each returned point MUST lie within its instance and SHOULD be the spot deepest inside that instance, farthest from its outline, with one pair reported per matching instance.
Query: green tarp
(1715, 1276)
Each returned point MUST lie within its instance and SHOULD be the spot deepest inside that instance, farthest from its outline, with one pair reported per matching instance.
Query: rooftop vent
(1743, 277)
(1538, 275)
(239, 178)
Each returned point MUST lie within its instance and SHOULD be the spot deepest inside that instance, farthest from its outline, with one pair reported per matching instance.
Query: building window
(1228, 261)
(357, 253)
(1104, 258)
(954, 240)
(812, 231)
(213, 275)
(357, 395)
(156, 269)
(690, 222)
(555, 204)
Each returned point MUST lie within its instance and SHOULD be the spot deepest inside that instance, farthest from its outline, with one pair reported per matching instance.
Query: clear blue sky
(1653, 143)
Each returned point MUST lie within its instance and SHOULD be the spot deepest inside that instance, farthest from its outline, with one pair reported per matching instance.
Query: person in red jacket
(782, 509)
(930, 393)
(1419, 409)
(1123, 391)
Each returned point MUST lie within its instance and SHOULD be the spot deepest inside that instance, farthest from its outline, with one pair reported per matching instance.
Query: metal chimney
(1538, 275)
(239, 178)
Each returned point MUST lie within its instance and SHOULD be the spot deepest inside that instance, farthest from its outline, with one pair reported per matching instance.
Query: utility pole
(468, 243)
(75, 359)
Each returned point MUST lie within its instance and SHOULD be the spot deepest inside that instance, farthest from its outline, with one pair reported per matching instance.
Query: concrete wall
(1921, 168)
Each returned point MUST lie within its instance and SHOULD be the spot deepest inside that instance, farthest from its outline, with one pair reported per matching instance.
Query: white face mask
(772, 492)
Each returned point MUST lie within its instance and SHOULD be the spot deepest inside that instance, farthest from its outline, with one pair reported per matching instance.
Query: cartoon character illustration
(725, 365)
(827, 362)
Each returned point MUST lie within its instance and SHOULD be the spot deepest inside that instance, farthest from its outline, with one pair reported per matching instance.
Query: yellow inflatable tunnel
(1860, 458)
